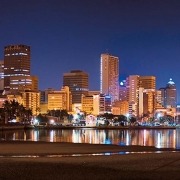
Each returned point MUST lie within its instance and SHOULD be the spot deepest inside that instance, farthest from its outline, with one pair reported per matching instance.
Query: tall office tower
(78, 83)
(147, 102)
(134, 83)
(147, 82)
(132, 93)
(109, 76)
(169, 95)
(132, 88)
(2, 75)
(16, 62)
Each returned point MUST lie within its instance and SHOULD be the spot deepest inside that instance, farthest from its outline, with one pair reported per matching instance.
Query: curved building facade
(16, 62)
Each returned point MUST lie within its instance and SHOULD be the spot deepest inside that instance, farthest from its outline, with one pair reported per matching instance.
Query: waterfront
(86, 153)
(159, 138)
(29, 160)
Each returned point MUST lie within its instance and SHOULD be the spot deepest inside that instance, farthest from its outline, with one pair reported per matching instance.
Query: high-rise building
(169, 95)
(109, 76)
(78, 83)
(132, 93)
(147, 82)
(31, 100)
(16, 63)
(147, 102)
(135, 98)
(132, 88)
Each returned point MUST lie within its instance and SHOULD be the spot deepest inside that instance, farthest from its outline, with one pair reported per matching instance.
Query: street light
(159, 115)
(127, 115)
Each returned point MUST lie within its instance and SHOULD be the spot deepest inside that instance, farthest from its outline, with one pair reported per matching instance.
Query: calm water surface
(161, 138)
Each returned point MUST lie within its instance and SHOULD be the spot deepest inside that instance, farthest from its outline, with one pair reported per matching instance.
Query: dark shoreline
(45, 148)
(147, 165)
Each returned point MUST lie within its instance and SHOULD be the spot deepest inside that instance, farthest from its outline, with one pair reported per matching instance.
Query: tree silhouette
(14, 110)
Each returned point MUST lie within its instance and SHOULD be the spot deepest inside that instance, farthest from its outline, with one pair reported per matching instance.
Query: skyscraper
(109, 76)
(78, 83)
(169, 95)
(16, 62)
(139, 87)
(147, 82)
(132, 93)
(17, 69)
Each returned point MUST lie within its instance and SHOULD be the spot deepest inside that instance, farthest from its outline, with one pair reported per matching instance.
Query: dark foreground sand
(40, 165)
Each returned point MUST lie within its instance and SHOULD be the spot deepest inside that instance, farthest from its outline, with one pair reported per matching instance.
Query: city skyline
(72, 35)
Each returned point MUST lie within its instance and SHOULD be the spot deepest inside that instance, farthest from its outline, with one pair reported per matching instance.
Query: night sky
(71, 34)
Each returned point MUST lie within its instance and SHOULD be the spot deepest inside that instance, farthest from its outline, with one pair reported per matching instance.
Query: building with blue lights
(169, 95)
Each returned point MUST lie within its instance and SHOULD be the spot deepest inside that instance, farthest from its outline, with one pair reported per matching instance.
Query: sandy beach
(44, 160)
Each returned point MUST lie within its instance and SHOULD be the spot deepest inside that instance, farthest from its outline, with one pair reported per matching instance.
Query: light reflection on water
(160, 138)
